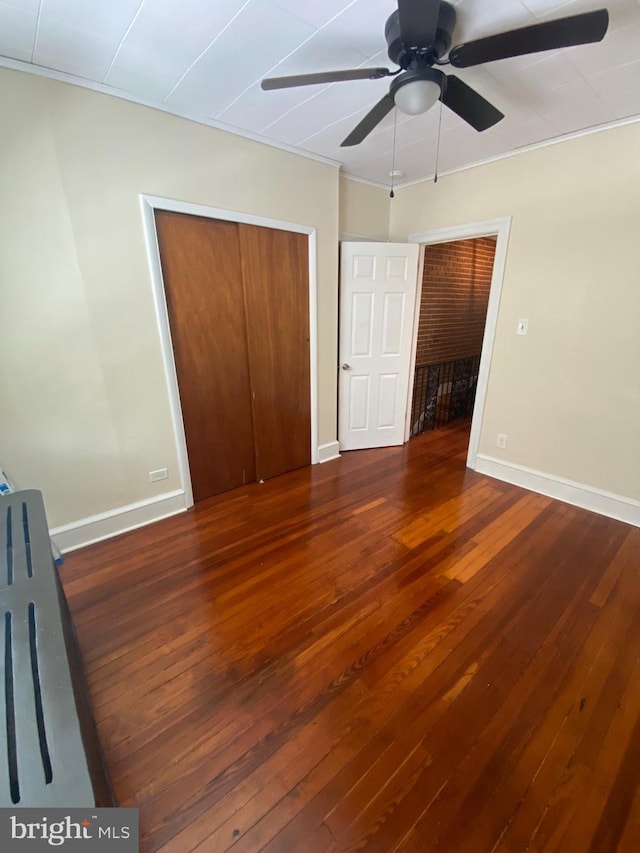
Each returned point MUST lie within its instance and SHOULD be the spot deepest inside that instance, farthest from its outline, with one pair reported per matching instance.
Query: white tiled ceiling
(205, 58)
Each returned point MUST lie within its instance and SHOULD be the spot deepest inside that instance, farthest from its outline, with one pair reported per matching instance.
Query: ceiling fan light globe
(417, 96)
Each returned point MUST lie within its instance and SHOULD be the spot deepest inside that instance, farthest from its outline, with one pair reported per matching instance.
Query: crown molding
(62, 77)
(535, 146)
(103, 89)
(371, 183)
(525, 149)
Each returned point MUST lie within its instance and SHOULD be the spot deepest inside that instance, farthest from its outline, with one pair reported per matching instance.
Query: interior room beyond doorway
(456, 282)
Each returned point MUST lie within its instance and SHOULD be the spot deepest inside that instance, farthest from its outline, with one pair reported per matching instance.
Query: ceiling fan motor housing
(419, 34)
(404, 55)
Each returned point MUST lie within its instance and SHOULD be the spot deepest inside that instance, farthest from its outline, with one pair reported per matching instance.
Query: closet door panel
(275, 267)
(202, 274)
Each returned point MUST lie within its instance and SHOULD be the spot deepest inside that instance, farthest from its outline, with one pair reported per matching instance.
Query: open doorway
(500, 229)
(456, 283)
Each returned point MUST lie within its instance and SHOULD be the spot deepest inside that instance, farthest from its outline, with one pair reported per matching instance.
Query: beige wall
(84, 411)
(568, 394)
(364, 211)
(84, 404)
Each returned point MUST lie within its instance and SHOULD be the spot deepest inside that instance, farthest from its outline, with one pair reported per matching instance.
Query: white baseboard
(327, 452)
(95, 528)
(577, 494)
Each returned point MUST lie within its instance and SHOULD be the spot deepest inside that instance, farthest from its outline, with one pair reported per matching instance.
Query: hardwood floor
(384, 652)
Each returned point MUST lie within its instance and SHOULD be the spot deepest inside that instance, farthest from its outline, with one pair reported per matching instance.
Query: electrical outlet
(501, 440)
(160, 474)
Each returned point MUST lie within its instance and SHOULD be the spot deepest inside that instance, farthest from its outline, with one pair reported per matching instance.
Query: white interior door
(377, 304)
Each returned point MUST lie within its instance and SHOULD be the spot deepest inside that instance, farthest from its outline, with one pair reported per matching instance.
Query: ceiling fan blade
(418, 21)
(563, 32)
(324, 77)
(469, 104)
(372, 118)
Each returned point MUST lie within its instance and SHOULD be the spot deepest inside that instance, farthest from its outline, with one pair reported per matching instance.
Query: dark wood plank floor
(385, 652)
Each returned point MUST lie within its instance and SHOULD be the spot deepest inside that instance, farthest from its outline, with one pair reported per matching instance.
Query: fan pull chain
(393, 156)
(435, 175)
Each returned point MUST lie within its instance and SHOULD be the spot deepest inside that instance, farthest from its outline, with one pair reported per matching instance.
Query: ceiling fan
(419, 34)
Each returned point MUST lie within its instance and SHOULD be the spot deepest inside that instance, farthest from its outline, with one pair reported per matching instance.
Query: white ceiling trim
(544, 143)
(63, 77)
(371, 183)
(204, 61)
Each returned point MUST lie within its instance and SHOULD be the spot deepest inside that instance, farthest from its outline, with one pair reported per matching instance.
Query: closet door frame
(149, 204)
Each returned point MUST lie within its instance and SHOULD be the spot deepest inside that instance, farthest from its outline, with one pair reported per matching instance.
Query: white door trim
(489, 228)
(414, 345)
(150, 203)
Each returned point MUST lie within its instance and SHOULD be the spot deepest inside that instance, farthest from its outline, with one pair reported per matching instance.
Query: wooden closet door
(275, 266)
(203, 284)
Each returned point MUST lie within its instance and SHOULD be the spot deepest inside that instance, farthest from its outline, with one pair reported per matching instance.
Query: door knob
(346, 367)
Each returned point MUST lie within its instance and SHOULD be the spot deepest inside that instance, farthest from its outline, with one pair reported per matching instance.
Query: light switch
(523, 327)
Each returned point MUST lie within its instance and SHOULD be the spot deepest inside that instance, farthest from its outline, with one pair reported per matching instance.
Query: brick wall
(455, 294)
